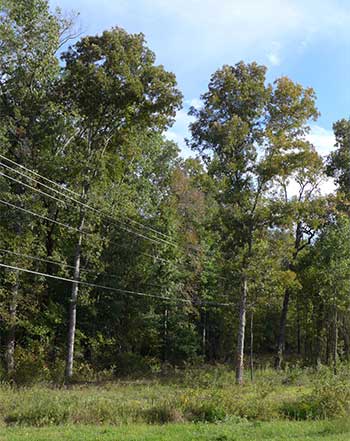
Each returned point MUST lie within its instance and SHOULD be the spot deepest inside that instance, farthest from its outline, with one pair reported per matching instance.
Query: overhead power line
(30, 186)
(65, 189)
(55, 262)
(70, 227)
(119, 290)
(66, 265)
(98, 212)
(40, 216)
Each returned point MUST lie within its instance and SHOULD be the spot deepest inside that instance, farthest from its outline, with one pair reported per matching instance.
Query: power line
(109, 288)
(84, 232)
(16, 207)
(30, 186)
(77, 195)
(54, 262)
(66, 265)
(99, 212)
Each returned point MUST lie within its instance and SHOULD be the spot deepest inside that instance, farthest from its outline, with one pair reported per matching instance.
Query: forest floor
(191, 404)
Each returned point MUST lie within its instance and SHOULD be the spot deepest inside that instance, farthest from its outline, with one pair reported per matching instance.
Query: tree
(327, 269)
(29, 36)
(338, 162)
(110, 87)
(304, 212)
(247, 133)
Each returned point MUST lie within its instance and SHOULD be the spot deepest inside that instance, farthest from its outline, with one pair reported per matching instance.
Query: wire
(77, 195)
(55, 262)
(109, 288)
(99, 212)
(84, 232)
(66, 265)
(16, 207)
(40, 176)
(31, 187)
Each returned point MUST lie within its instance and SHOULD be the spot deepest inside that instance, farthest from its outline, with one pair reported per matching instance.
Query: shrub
(40, 411)
(163, 413)
(128, 363)
(205, 411)
(31, 365)
(329, 398)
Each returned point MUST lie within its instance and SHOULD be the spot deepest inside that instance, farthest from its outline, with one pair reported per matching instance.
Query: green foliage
(217, 232)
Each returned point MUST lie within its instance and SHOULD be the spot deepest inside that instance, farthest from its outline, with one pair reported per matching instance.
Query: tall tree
(247, 132)
(29, 38)
(304, 213)
(111, 87)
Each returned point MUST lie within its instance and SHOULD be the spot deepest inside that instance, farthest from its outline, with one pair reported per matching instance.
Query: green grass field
(256, 431)
(203, 404)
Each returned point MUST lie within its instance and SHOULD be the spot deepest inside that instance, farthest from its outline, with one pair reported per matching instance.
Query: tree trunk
(346, 339)
(165, 334)
(11, 337)
(282, 331)
(241, 332)
(284, 313)
(251, 361)
(335, 341)
(73, 304)
(319, 341)
(328, 346)
(204, 334)
(298, 327)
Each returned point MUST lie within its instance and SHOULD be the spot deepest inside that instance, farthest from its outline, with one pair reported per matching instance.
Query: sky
(307, 40)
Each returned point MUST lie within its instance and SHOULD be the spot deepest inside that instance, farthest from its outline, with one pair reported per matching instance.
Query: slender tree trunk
(11, 337)
(346, 339)
(72, 320)
(335, 340)
(284, 313)
(328, 346)
(282, 331)
(298, 327)
(241, 332)
(251, 361)
(204, 334)
(319, 326)
(165, 334)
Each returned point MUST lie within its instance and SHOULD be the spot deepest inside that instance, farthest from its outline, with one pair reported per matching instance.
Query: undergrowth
(191, 395)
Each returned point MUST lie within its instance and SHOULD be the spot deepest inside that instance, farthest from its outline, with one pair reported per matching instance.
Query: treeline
(117, 254)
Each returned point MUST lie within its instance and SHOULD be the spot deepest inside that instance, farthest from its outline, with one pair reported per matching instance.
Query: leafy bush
(205, 411)
(31, 365)
(329, 398)
(128, 363)
(40, 411)
(163, 413)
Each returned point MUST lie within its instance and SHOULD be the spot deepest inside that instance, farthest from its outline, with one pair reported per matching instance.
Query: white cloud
(173, 136)
(274, 55)
(179, 131)
(274, 59)
(199, 29)
(323, 139)
(194, 102)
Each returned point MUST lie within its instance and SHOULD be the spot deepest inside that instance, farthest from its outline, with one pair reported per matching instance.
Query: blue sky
(307, 40)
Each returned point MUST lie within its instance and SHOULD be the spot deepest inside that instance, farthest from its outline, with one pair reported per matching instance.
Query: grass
(246, 431)
(194, 404)
(189, 396)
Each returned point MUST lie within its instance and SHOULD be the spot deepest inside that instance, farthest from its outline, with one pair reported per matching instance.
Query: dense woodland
(118, 255)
